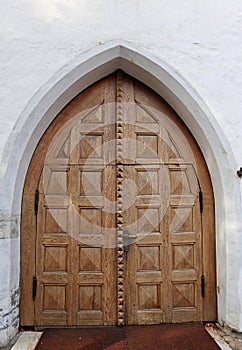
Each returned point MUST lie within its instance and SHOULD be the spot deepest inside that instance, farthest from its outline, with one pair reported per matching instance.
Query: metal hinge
(203, 286)
(36, 202)
(201, 201)
(34, 287)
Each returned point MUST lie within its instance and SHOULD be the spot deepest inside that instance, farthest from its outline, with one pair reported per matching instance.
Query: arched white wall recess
(94, 65)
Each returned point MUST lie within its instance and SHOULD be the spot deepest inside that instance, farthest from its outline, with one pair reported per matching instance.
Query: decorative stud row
(120, 174)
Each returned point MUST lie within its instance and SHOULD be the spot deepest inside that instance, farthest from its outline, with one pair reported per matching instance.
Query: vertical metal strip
(120, 174)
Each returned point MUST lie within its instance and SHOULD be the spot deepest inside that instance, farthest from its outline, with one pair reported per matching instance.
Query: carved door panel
(144, 244)
(53, 251)
(163, 252)
(75, 245)
(75, 272)
(161, 215)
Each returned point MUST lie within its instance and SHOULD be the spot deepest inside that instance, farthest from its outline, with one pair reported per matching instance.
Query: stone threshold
(224, 336)
(27, 341)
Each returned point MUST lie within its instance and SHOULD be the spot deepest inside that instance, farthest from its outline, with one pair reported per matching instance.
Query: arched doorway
(117, 215)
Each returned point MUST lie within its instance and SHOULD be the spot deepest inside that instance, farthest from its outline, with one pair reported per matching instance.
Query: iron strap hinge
(201, 201)
(34, 287)
(203, 285)
(36, 202)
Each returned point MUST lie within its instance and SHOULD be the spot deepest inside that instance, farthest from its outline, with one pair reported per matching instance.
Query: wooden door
(73, 256)
(165, 263)
(117, 217)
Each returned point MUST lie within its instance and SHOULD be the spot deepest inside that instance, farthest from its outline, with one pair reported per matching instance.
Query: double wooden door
(117, 216)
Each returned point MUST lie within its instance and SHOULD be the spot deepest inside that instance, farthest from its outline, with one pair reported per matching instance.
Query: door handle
(127, 237)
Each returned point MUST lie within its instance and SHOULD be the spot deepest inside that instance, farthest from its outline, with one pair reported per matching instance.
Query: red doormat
(165, 337)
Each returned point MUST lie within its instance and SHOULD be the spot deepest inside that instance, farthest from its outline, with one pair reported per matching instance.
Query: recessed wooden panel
(91, 146)
(147, 146)
(149, 297)
(57, 184)
(90, 183)
(148, 258)
(147, 182)
(183, 295)
(54, 297)
(179, 182)
(148, 219)
(90, 297)
(183, 256)
(95, 116)
(55, 258)
(90, 221)
(182, 219)
(64, 151)
(144, 117)
(90, 259)
(55, 220)
(173, 152)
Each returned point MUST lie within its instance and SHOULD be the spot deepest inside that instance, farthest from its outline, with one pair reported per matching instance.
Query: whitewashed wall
(198, 43)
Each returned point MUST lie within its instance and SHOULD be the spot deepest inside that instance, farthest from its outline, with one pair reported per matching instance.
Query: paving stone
(27, 341)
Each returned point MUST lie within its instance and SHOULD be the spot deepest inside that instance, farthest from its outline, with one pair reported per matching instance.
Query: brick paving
(167, 337)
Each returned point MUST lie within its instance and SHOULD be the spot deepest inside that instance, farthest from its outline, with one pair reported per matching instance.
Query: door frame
(155, 73)
(33, 202)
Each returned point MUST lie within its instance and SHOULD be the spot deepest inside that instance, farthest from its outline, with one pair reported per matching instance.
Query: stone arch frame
(85, 70)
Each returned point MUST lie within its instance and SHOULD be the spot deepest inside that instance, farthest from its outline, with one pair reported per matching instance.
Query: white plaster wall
(200, 40)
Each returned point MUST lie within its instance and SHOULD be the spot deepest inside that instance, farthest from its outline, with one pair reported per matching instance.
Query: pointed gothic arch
(89, 68)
